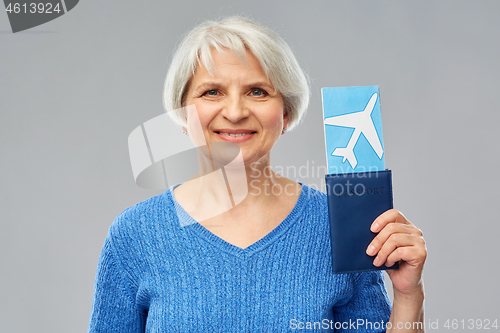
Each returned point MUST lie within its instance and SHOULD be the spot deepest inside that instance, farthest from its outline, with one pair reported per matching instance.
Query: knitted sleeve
(114, 308)
(368, 308)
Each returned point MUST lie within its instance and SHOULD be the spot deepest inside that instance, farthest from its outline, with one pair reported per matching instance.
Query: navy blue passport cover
(355, 200)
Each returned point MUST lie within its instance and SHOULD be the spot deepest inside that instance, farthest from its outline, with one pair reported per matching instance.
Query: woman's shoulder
(314, 197)
(311, 209)
(145, 215)
(136, 231)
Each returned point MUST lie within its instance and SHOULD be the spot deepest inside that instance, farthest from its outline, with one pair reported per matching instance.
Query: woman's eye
(212, 92)
(258, 92)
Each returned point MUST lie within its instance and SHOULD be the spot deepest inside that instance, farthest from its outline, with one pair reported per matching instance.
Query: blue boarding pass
(353, 129)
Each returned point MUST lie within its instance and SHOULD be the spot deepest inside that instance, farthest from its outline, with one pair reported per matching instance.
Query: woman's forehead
(226, 62)
(206, 55)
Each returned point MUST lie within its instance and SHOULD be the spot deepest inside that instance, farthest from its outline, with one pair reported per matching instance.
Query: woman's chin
(221, 154)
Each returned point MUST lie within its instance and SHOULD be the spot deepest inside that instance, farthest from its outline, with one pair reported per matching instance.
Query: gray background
(73, 89)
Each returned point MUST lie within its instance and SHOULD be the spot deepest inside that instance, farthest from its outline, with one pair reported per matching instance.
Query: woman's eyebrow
(260, 84)
(207, 85)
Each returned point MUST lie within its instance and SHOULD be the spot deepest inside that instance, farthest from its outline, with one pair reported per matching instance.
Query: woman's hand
(399, 240)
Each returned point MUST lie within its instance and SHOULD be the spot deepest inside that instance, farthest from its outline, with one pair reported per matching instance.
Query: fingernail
(371, 250)
(375, 262)
(374, 227)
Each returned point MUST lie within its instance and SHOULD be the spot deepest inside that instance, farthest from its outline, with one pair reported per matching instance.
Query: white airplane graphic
(362, 122)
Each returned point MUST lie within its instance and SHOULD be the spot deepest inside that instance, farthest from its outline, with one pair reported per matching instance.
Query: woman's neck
(218, 188)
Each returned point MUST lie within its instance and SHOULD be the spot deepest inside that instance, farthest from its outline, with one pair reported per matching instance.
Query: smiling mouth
(235, 134)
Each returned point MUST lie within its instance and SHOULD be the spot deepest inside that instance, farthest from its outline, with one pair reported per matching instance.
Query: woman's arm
(400, 240)
(114, 308)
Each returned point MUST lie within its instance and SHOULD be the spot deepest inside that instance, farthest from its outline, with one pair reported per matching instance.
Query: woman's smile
(235, 135)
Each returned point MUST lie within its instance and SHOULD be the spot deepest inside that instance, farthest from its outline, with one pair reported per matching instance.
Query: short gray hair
(237, 34)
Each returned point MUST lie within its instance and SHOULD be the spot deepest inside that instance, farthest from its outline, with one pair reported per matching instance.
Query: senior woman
(264, 264)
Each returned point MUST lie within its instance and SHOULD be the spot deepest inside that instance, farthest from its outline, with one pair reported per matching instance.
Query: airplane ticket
(353, 129)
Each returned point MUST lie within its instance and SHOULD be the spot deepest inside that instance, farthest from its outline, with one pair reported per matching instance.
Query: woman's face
(237, 104)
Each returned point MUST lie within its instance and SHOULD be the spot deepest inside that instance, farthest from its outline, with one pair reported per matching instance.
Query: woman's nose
(235, 110)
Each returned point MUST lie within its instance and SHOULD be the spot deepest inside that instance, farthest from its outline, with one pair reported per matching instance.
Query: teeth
(230, 134)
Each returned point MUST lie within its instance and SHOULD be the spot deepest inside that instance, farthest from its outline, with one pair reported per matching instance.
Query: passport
(355, 200)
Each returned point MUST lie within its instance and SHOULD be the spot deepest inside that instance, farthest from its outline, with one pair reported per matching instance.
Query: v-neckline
(187, 221)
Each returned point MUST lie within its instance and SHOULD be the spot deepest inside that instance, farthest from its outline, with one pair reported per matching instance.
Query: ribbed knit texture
(161, 271)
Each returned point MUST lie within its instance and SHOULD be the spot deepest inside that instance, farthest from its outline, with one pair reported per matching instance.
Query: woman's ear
(285, 121)
(184, 130)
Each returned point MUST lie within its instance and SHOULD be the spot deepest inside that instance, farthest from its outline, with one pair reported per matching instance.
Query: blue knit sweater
(161, 271)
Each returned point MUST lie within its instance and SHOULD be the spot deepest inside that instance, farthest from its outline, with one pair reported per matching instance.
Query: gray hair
(237, 34)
